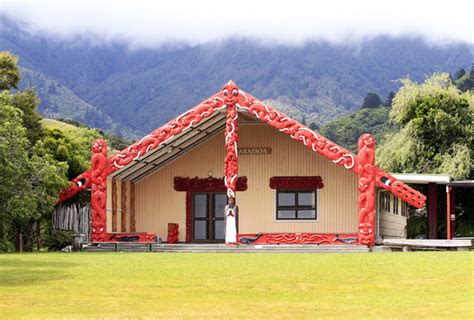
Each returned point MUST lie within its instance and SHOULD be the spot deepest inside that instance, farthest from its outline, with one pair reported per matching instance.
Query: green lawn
(177, 285)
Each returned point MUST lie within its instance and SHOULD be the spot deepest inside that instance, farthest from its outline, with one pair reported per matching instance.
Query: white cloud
(150, 23)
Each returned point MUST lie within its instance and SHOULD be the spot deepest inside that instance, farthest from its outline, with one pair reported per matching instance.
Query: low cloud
(292, 22)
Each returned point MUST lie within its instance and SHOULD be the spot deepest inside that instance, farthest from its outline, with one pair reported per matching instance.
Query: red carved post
(189, 216)
(99, 190)
(231, 93)
(366, 187)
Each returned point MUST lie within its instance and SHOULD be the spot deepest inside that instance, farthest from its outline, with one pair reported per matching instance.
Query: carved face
(231, 93)
(369, 140)
(98, 228)
(80, 183)
(98, 146)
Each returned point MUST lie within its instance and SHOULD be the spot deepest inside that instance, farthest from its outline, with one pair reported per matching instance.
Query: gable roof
(194, 126)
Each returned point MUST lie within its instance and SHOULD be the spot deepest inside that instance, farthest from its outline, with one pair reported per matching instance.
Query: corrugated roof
(172, 149)
(462, 184)
(417, 178)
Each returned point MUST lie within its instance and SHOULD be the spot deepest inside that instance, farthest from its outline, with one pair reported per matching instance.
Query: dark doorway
(208, 217)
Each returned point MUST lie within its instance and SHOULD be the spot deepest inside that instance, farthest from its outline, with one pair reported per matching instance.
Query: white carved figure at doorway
(231, 214)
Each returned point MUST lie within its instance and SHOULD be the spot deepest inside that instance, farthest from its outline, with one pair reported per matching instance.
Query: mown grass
(426, 285)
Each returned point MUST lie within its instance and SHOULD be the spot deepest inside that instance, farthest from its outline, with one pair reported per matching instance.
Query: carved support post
(133, 227)
(123, 196)
(99, 190)
(432, 210)
(231, 139)
(366, 187)
(114, 205)
(189, 215)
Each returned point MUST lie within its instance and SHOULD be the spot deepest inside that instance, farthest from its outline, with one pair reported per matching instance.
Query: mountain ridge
(138, 90)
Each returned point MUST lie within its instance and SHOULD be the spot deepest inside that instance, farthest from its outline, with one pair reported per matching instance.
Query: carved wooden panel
(132, 208)
(123, 194)
(114, 205)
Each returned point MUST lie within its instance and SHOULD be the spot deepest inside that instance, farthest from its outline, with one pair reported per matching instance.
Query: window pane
(200, 230)
(286, 198)
(220, 201)
(306, 199)
(219, 229)
(200, 205)
(306, 214)
(286, 214)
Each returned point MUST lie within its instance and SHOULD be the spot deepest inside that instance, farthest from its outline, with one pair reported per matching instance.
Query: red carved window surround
(296, 183)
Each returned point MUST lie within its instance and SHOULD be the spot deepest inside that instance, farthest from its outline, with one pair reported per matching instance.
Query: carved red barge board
(302, 238)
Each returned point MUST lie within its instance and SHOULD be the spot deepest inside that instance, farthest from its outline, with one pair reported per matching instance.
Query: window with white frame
(296, 205)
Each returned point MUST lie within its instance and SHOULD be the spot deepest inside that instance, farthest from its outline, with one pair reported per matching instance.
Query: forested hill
(132, 91)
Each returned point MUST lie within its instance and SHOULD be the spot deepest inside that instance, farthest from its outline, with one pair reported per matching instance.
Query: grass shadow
(21, 272)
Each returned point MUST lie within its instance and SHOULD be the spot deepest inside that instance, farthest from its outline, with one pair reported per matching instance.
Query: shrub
(59, 240)
(6, 246)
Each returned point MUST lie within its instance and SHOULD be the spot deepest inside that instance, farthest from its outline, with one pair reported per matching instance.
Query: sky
(291, 22)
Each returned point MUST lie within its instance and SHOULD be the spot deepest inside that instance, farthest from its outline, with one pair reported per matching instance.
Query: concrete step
(261, 248)
(132, 247)
(261, 251)
(439, 243)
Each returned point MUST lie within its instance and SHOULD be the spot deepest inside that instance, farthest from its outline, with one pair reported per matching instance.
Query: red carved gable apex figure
(235, 100)
(231, 93)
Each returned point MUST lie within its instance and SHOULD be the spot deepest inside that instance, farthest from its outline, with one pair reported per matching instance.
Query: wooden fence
(73, 217)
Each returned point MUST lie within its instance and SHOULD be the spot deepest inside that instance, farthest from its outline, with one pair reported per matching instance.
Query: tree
(303, 120)
(313, 126)
(27, 102)
(30, 178)
(71, 147)
(436, 135)
(371, 101)
(347, 129)
(459, 74)
(466, 82)
(9, 73)
(389, 100)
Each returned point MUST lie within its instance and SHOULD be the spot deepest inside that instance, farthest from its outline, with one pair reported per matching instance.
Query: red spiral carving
(297, 238)
(297, 131)
(231, 92)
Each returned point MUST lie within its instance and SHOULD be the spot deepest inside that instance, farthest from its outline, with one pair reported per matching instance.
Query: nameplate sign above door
(254, 151)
